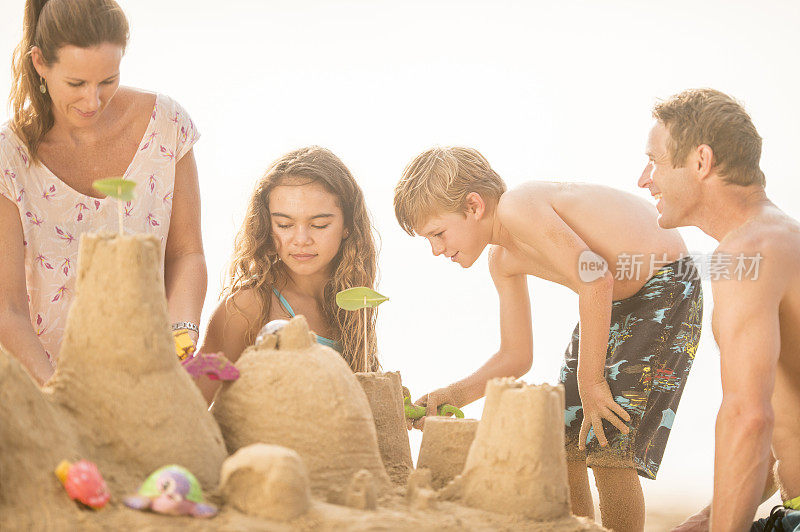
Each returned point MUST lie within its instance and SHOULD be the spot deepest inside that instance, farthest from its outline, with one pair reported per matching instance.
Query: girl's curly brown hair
(255, 264)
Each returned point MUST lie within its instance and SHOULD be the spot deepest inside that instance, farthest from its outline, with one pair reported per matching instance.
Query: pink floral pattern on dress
(54, 215)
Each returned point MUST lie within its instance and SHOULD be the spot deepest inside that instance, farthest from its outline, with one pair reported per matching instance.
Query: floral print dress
(54, 215)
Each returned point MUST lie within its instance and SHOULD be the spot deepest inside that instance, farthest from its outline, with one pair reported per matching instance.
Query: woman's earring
(42, 86)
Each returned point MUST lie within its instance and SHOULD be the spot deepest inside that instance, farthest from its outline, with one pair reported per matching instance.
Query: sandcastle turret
(117, 374)
(445, 445)
(299, 394)
(517, 463)
(385, 395)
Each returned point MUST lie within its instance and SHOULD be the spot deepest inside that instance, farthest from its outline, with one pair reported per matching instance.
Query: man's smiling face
(673, 188)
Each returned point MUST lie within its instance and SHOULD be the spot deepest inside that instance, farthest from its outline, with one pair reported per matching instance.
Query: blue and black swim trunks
(652, 343)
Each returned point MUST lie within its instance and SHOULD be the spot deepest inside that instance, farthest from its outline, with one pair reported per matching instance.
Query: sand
(445, 445)
(385, 395)
(267, 481)
(299, 394)
(517, 462)
(120, 399)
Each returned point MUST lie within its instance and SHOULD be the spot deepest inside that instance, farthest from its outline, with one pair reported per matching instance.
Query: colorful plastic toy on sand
(213, 365)
(171, 490)
(83, 483)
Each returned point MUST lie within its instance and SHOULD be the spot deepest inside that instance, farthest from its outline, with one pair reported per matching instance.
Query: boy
(629, 357)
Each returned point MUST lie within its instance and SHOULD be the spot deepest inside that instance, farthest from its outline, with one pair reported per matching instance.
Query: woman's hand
(598, 404)
(41, 371)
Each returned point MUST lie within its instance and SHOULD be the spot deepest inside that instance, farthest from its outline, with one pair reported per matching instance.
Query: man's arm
(747, 329)
(700, 521)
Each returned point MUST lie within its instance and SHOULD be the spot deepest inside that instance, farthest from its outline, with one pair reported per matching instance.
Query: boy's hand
(432, 401)
(599, 404)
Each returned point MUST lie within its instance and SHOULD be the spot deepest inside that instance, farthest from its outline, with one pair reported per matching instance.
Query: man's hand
(598, 404)
(432, 401)
(699, 522)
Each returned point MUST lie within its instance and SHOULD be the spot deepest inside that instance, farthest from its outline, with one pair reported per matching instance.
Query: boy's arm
(747, 329)
(537, 225)
(514, 357)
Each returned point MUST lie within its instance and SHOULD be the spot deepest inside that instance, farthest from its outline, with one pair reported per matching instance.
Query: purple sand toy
(215, 365)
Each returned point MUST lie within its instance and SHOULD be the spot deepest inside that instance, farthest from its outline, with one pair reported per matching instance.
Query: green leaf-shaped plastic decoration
(358, 298)
(113, 187)
(413, 411)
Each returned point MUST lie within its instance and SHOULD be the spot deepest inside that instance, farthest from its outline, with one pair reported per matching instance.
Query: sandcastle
(517, 462)
(302, 395)
(121, 399)
(119, 394)
(445, 445)
(385, 395)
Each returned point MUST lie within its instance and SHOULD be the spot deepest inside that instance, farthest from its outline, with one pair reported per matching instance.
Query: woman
(306, 236)
(72, 124)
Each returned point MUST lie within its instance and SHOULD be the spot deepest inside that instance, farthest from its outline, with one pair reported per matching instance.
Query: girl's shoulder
(245, 301)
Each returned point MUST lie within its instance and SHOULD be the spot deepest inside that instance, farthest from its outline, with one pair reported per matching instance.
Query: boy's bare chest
(527, 260)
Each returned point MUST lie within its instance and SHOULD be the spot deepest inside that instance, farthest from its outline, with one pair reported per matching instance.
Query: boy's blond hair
(440, 179)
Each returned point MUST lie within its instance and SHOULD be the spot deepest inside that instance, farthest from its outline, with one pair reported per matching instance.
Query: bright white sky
(545, 90)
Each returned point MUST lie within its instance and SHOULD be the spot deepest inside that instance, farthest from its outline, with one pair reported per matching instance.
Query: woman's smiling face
(82, 81)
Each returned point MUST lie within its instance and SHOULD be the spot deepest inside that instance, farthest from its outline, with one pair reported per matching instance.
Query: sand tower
(517, 463)
(119, 396)
(296, 393)
(117, 372)
(385, 395)
(445, 444)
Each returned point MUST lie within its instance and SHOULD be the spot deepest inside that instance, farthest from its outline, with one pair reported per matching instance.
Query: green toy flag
(117, 188)
(360, 297)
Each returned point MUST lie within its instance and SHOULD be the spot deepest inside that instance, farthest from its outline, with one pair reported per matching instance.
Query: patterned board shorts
(653, 341)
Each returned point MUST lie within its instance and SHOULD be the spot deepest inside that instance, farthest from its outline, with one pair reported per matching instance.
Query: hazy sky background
(545, 90)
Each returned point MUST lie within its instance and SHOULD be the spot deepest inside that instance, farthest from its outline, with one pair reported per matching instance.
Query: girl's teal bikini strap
(285, 304)
(320, 339)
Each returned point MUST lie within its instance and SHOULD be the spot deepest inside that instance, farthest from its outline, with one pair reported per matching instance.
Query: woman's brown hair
(50, 25)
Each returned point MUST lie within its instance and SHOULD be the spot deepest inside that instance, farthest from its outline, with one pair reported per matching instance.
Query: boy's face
(457, 236)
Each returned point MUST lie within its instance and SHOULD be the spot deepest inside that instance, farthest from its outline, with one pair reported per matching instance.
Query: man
(704, 171)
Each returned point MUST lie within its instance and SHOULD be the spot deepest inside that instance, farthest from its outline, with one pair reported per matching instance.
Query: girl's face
(81, 82)
(307, 226)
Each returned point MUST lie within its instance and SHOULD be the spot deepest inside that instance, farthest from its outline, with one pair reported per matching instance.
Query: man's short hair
(708, 116)
(440, 179)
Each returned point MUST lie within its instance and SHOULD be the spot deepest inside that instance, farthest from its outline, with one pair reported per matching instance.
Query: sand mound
(385, 395)
(302, 395)
(445, 445)
(517, 463)
(119, 396)
(268, 481)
